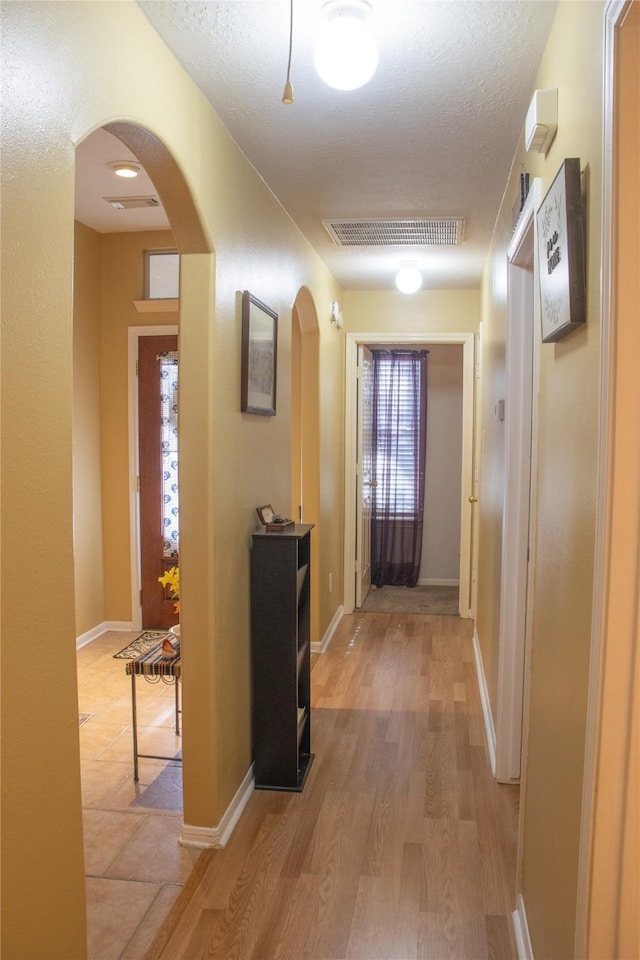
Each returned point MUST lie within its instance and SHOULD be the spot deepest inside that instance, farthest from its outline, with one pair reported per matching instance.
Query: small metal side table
(155, 667)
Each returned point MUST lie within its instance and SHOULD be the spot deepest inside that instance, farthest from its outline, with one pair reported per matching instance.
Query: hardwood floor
(402, 844)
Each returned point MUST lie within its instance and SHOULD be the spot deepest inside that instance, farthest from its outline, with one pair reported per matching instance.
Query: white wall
(441, 538)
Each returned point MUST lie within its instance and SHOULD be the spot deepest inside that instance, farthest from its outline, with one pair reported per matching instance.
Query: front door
(158, 459)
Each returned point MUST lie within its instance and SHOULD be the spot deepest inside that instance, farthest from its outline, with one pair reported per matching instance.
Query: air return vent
(432, 232)
(129, 203)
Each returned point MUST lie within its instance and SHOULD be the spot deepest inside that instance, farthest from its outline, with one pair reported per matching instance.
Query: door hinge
(137, 367)
(140, 598)
(138, 484)
(357, 566)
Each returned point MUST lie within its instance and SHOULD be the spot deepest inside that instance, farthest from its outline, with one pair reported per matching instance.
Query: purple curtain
(399, 448)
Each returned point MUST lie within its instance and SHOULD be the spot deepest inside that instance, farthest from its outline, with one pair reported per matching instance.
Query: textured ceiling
(431, 135)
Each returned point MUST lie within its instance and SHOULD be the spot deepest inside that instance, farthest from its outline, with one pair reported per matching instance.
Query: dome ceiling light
(408, 278)
(346, 54)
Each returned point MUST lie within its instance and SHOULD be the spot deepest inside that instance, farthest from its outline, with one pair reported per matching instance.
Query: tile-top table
(155, 666)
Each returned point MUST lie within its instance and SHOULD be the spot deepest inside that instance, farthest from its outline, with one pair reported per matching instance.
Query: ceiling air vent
(431, 232)
(129, 203)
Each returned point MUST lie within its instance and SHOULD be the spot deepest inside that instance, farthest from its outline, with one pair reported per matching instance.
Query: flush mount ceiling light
(408, 278)
(346, 54)
(128, 169)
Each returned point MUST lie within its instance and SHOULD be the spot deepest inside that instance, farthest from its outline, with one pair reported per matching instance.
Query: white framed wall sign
(561, 259)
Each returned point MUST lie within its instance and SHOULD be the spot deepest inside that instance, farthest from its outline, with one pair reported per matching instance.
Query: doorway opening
(153, 426)
(165, 789)
(353, 513)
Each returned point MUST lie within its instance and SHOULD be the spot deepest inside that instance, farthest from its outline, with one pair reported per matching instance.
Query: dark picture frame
(259, 357)
(561, 254)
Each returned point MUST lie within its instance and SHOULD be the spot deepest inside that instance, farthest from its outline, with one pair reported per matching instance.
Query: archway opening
(305, 434)
(184, 231)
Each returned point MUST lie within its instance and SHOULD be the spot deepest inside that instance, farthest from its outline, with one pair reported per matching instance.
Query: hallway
(402, 844)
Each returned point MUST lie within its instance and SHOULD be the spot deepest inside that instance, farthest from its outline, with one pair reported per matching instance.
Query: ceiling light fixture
(126, 169)
(408, 278)
(287, 96)
(346, 54)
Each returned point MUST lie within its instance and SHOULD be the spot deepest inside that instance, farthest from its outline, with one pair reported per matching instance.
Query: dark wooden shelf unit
(281, 657)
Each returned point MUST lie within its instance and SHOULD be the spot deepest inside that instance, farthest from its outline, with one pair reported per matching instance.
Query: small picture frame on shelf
(561, 257)
(259, 357)
(273, 522)
(265, 514)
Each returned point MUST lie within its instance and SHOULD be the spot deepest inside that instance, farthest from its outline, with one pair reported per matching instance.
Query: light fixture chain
(287, 96)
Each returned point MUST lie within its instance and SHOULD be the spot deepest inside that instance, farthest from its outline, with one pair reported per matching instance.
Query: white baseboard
(203, 837)
(431, 582)
(331, 629)
(486, 703)
(119, 626)
(521, 930)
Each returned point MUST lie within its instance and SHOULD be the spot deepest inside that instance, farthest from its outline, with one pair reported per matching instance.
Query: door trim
(523, 352)
(134, 333)
(612, 705)
(353, 340)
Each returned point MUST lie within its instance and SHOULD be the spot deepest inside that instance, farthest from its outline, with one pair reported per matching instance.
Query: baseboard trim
(206, 837)
(118, 626)
(489, 728)
(331, 629)
(521, 930)
(430, 582)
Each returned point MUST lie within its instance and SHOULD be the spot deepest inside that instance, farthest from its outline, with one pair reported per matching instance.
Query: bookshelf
(281, 657)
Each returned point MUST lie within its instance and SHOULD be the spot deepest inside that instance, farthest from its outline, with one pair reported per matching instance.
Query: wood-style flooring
(401, 846)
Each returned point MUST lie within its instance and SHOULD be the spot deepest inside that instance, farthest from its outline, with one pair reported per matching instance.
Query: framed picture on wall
(561, 256)
(259, 357)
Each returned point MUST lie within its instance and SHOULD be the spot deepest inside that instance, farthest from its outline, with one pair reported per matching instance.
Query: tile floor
(134, 867)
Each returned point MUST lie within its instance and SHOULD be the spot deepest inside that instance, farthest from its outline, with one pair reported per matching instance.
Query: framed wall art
(259, 357)
(561, 257)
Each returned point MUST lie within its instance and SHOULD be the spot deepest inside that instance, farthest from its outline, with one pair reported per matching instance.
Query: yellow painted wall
(330, 390)
(70, 69)
(566, 491)
(435, 311)
(87, 485)
(122, 265)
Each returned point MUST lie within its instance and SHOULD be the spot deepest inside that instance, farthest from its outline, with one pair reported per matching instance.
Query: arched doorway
(305, 434)
(195, 315)
(196, 304)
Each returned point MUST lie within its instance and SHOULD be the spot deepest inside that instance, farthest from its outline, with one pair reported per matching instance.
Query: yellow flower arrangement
(171, 579)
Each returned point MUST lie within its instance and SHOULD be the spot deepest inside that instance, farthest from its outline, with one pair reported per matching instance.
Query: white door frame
(353, 340)
(518, 525)
(613, 699)
(134, 333)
